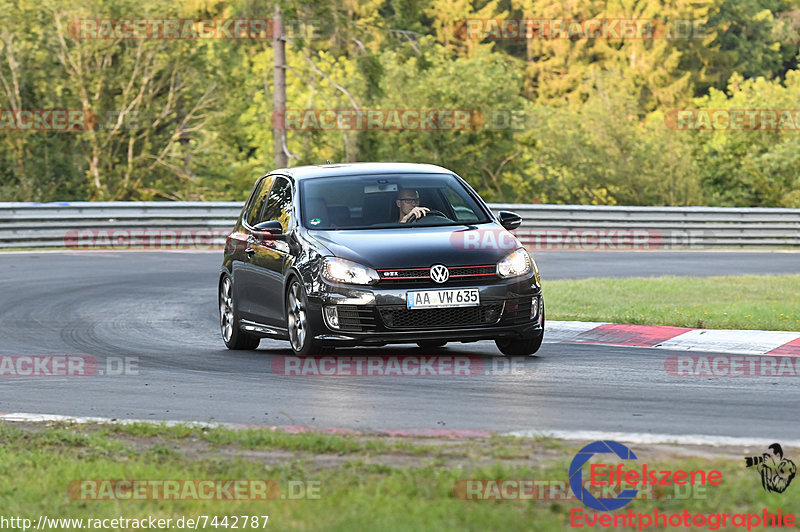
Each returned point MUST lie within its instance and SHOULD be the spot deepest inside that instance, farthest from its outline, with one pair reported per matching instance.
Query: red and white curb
(737, 342)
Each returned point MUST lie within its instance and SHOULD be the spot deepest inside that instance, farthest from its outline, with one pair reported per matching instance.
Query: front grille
(400, 317)
(470, 271)
(458, 275)
(356, 318)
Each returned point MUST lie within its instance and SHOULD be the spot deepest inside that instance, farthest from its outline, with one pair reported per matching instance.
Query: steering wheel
(431, 212)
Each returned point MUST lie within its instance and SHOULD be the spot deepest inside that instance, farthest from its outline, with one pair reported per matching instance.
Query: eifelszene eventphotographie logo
(620, 476)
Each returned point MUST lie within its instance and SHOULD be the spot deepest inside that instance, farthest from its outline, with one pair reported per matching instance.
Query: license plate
(465, 297)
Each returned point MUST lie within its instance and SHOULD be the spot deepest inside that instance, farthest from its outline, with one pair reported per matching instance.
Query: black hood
(420, 247)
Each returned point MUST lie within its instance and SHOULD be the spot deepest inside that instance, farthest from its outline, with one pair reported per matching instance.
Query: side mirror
(271, 228)
(509, 220)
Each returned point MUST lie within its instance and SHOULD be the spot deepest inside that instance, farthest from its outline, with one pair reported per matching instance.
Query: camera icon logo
(776, 471)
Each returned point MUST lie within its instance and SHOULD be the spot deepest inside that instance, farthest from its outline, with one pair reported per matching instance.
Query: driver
(408, 203)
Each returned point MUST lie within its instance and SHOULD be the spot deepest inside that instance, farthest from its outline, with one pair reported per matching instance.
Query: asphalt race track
(159, 308)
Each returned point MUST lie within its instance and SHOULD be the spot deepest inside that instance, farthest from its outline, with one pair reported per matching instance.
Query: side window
(279, 203)
(258, 199)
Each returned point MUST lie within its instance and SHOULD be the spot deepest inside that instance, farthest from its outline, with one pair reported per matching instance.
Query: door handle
(250, 252)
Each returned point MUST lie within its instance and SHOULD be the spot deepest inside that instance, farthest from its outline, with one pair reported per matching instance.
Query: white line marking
(647, 438)
(43, 418)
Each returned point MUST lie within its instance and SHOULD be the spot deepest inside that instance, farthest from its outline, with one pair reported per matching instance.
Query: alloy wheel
(297, 317)
(226, 309)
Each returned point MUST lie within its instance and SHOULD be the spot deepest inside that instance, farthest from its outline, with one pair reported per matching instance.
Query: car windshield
(371, 202)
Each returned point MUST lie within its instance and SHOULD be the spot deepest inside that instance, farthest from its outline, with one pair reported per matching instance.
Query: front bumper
(378, 315)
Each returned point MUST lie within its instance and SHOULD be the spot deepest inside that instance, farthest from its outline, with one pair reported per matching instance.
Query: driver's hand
(416, 212)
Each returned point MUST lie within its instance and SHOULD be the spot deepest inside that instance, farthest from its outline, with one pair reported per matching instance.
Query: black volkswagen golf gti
(372, 254)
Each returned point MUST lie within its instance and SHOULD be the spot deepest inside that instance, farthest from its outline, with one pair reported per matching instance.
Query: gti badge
(439, 273)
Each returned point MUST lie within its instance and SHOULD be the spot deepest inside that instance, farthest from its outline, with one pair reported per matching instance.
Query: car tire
(301, 334)
(523, 346)
(233, 336)
(520, 347)
(432, 344)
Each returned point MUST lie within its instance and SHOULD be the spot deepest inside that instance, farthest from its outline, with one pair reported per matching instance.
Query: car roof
(331, 170)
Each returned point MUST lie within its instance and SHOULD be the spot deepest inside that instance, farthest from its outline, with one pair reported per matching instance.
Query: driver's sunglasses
(412, 200)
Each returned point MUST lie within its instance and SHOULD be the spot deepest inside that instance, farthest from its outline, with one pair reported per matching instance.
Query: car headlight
(348, 272)
(516, 264)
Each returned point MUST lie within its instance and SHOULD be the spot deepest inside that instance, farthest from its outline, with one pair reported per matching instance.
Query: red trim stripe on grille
(449, 268)
(453, 275)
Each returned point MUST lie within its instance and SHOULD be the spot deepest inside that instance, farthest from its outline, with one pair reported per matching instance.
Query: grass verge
(359, 482)
(766, 302)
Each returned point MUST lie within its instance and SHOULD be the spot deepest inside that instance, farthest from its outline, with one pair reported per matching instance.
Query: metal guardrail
(613, 227)
(166, 225)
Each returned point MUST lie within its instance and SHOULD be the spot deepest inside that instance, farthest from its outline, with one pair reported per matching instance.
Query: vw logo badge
(439, 273)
